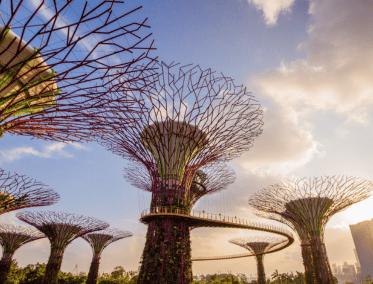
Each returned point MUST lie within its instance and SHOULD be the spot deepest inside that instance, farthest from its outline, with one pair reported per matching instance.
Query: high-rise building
(346, 273)
(362, 234)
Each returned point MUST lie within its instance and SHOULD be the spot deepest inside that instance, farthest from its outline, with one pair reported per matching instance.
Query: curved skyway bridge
(202, 219)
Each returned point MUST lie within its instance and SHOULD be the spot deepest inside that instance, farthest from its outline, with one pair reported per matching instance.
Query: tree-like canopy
(189, 118)
(18, 191)
(311, 203)
(13, 237)
(258, 244)
(101, 239)
(61, 228)
(62, 62)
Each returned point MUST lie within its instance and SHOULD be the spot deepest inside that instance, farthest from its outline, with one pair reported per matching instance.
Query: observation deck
(201, 219)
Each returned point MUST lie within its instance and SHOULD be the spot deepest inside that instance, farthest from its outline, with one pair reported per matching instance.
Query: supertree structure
(259, 246)
(309, 205)
(99, 241)
(189, 118)
(62, 61)
(18, 191)
(209, 179)
(61, 229)
(12, 238)
(305, 243)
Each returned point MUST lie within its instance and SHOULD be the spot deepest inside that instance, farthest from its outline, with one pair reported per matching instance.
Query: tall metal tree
(305, 243)
(189, 118)
(62, 61)
(18, 191)
(309, 205)
(12, 238)
(259, 246)
(99, 241)
(61, 229)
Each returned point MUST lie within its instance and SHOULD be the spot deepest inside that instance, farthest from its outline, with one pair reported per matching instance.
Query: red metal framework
(61, 229)
(99, 241)
(61, 62)
(209, 179)
(189, 118)
(18, 191)
(12, 238)
(309, 205)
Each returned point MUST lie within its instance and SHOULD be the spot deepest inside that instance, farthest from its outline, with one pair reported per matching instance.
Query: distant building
(362, 234)
(346, 273)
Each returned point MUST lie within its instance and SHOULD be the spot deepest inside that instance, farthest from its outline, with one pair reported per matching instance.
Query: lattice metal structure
(305, 243)
(18, 191)
(309, 204)
(259, 245)
(99, 241)
(12, 237)
(189, 118)
(62, 61)
(209, 179)
(61, 229)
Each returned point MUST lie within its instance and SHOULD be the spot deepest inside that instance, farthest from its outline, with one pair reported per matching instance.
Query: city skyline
(302, 63)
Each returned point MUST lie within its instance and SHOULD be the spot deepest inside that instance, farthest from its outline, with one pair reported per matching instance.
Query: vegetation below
(34, 273)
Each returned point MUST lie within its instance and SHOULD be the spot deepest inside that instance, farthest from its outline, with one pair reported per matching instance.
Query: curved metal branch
(54, 91)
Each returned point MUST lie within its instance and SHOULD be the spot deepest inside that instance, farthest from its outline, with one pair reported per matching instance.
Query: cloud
(272, 8)
(48, 151)
(337, 73)
(282, 147)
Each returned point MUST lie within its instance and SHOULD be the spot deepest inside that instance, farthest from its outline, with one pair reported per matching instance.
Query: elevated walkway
(201, 219)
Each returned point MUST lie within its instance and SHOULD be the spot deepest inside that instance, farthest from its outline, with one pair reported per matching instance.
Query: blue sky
(307, 62)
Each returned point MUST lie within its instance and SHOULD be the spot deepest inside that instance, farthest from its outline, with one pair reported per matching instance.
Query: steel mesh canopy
(189, 118)
(18, 191)
(12, 237)
(101, 239)
(59, 227)
(311, 203)
(258, 244)
(209, 179)
(60, 63)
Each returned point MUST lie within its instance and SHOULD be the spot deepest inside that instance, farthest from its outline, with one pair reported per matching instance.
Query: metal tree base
(53, 266)
(166, 257)
(93, 270)
(260, 269)
(5, 264)
(320, 259)
(309, 270)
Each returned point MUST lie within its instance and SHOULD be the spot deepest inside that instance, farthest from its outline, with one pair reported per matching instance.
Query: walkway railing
(214, 217)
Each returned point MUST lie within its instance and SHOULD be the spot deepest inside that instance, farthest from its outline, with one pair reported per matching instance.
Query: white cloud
(48, 151)
(337, 74)
(272, 8)
(283, 146)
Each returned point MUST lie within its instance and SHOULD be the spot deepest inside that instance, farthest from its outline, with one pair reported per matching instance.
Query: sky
(307, 62)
